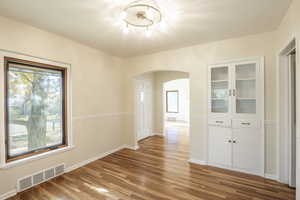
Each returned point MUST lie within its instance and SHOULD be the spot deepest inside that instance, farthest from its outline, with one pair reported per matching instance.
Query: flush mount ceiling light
(142, 14)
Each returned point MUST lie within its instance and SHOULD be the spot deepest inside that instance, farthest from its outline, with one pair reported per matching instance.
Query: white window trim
(3, 163)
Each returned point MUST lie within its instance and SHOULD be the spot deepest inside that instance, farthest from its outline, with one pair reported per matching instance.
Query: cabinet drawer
(219, 122)
(245, 123)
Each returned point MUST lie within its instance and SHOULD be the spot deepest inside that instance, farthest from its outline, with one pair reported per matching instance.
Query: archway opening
(176, 103)
(162, 107)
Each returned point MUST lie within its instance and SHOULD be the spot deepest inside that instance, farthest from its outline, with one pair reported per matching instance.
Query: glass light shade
(126, 30)
(163, 25)
(148, 33)
(123, 15)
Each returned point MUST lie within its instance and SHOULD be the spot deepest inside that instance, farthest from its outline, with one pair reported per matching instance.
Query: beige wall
(97, 90)
(194, 60)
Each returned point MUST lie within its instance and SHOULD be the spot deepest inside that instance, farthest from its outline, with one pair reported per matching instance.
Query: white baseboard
(272, 176)
(203, 162)
(199, 162)
(131, 147)
(8, 194)
(85, 162)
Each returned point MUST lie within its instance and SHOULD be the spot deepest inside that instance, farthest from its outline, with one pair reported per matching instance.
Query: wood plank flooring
(159, 170)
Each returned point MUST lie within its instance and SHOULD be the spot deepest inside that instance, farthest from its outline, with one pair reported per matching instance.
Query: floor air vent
(25, 183)
(49, 173)
(59, 170)
(37, 178)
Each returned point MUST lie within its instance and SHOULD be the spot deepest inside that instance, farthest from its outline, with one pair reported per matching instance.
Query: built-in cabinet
(236, 115)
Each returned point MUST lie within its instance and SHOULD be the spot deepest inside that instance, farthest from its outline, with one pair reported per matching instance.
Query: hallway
(158, 170)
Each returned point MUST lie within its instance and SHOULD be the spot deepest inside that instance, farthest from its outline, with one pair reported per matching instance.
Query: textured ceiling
(97, 24)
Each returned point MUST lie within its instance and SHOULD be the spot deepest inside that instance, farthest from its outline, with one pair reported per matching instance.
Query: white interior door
(144, 109)
(220, 146)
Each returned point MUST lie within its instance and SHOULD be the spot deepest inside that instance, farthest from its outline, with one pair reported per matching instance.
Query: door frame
(283, 114)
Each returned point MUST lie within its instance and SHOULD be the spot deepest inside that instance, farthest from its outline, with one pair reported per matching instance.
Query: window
(172, 101)
(35, 103)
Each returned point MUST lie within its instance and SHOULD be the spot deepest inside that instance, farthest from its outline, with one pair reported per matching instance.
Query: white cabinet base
(219, 146)
(247, 150)
(236, 149)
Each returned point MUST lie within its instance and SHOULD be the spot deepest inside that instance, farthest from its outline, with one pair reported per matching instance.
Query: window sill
(35, 157)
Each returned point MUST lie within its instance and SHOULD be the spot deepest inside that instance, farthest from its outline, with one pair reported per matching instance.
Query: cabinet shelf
(246, 99)
(219, 98)
(246, 79)
(219, 88)
(219, 81)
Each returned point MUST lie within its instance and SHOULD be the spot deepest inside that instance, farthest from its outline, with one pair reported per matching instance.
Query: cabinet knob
(229, 141)
(234, 141)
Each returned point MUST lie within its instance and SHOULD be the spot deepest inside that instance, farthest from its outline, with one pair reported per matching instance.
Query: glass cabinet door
(219, 89)
(245, 88)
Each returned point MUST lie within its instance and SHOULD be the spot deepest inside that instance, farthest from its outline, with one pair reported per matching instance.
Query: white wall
(182, 86)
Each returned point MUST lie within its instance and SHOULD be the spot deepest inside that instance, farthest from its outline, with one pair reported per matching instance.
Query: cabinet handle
(219, 122)
(229, 92)
(245, 123)
(229, 141)
(233, 92)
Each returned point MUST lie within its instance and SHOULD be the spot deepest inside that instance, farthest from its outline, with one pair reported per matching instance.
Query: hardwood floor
(159, 170)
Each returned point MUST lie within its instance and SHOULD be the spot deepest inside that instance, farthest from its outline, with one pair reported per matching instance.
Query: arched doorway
(150, 102)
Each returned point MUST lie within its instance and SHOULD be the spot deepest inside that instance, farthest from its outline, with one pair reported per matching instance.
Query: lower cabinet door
(219, 142)
(247, 150)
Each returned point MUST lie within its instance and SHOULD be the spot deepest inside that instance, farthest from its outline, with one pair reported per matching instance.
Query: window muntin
(35, 108)
(172, 101)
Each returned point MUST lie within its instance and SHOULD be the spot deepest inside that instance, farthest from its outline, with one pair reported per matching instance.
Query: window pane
(172, 101)
(35, 108)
